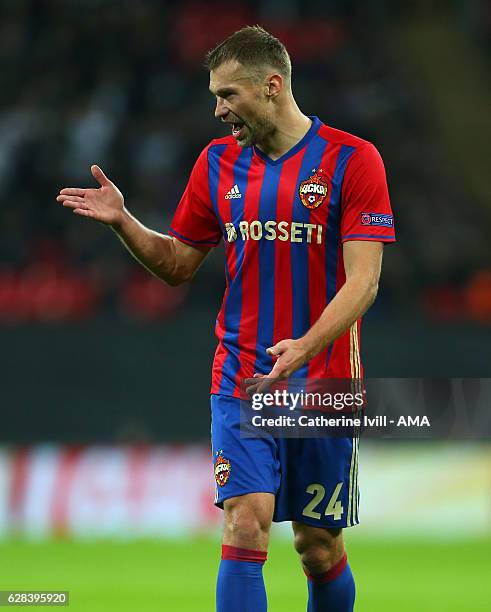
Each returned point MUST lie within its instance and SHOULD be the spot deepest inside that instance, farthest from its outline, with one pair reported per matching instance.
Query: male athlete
(303, 210)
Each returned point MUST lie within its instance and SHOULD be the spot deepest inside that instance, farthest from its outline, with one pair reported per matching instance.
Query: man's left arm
(362, 262)
(366, 224)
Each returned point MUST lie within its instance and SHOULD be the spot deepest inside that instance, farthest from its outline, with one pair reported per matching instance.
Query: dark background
(94, 348)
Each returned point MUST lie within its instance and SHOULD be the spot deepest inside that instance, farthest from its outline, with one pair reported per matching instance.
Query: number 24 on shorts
(334, 507)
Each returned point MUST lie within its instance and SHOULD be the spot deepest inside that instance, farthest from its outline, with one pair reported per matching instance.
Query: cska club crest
(222, 469)
(313, 191)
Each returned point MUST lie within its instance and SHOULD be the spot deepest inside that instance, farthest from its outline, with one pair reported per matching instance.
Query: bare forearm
(154, 251)
(350, 303)
(169, 259)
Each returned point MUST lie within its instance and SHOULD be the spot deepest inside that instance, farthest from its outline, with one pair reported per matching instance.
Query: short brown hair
(251, 46)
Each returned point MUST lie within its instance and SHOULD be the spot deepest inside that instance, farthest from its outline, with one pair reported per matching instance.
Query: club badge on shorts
(222, 469)
(313, 191)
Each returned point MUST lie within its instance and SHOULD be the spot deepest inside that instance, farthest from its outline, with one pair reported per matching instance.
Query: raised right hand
(104, 204)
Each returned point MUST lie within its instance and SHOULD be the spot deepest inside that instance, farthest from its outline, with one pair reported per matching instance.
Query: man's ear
(274, 85)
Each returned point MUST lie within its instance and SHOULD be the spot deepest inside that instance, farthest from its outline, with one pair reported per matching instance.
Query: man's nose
(220, 110)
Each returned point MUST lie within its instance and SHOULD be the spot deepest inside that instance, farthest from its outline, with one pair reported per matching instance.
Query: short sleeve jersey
(283, 223)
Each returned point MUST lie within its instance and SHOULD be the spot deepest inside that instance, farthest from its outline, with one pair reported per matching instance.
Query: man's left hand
(290, 355)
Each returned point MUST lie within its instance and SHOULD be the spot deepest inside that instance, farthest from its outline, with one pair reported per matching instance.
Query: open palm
(104, 204)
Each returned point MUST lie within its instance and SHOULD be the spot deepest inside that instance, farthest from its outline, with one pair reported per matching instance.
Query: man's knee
(319, 549)
(248, 520)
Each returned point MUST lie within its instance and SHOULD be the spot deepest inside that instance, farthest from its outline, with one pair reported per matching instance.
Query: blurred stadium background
(105, 480)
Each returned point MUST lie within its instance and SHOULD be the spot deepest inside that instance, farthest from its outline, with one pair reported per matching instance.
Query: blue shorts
(315, 480)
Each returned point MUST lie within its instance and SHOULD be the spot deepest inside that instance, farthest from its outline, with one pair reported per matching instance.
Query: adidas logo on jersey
(233, 193)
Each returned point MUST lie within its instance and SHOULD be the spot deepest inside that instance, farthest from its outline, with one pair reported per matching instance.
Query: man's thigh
(241, 465)
(319, 482)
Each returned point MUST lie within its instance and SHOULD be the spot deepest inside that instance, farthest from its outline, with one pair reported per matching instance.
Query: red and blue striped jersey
(283, 223)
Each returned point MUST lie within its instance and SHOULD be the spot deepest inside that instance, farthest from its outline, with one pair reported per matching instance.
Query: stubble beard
(257, 133)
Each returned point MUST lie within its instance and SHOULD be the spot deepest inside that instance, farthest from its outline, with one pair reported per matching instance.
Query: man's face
(242, 103)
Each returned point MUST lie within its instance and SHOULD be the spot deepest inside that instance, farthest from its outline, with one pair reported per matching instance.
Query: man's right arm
(165, 256)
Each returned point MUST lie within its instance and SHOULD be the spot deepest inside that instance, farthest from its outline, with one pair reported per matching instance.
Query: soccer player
(303, 211)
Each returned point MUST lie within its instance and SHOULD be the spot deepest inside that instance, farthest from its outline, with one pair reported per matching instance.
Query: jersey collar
(316, 123)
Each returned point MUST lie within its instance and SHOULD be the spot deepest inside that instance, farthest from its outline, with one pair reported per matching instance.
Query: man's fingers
(72, 198)
(279, 372)
(252, 389)
(72, 204)
(76, 191)
(264, 385)
(99, 176)
(275, 351)
(280, 347)
(259, 385)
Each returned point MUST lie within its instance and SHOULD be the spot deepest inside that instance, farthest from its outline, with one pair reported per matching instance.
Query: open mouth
(237, 130)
